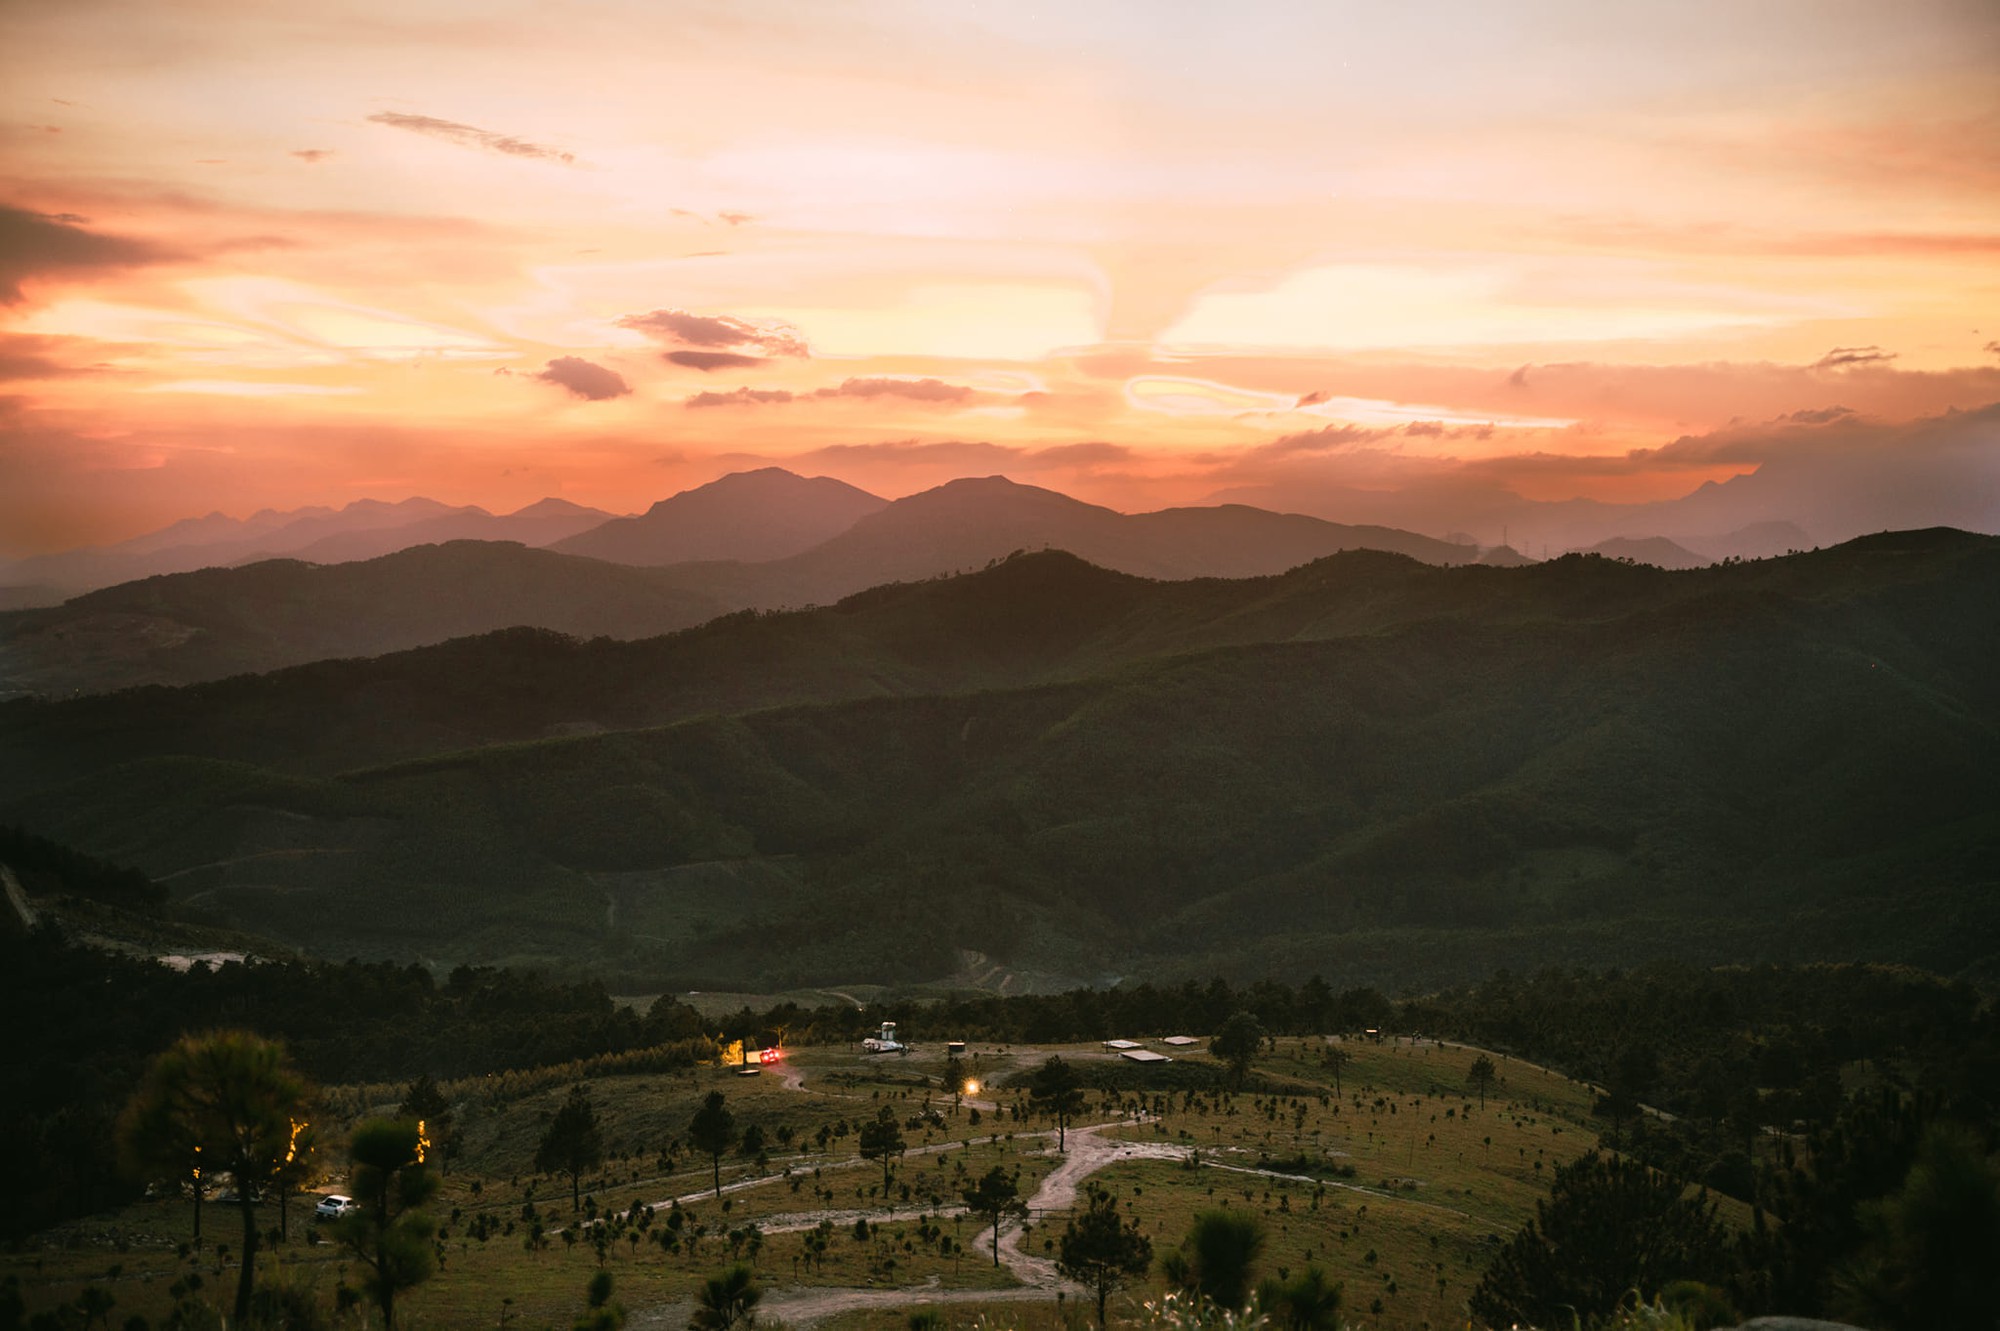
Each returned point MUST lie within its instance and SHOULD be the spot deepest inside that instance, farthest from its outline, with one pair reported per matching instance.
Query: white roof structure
(1180, 1041)
(1144, 1055)
(1121, 1044)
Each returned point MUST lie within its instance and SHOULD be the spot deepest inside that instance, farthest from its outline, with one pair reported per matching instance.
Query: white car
(334, 1205)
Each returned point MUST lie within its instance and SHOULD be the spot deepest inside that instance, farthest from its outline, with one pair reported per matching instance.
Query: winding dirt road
(1090, 1150)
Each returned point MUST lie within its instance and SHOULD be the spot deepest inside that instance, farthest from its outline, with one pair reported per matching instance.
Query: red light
(770, 1055)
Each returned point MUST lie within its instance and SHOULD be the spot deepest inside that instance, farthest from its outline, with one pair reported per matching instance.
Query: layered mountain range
(1390, 766)
(752, 517)
(757, 540)
(282, 589)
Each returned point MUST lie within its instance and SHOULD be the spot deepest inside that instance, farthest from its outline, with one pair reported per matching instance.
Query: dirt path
(1089, 1152)
(18, 898)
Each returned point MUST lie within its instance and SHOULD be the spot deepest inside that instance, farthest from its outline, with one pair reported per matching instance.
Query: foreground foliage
(390, 1234)
(1609, 1225)
(1102, 1250)
(222, 1104)
(1402, 774)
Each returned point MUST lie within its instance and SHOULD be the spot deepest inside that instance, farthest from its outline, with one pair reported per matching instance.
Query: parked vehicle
(333, 1206)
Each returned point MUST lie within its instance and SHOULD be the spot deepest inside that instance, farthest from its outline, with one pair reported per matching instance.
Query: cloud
(22, 357)
(736, 219)
(921, 390)
(312, 155)
(40, 244)
(739, 397)
(1834, 473)
(949, 458)
(1993, 347)
(1313, 399)
(1840, 357)
(917, 390)
(719, 331)
(584, 379)
(713, 360)
(1328, 439)
(471, 136)
(1082, 455)
(1630, 399)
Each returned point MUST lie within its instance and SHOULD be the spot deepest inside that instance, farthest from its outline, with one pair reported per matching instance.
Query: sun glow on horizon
(1133, 255)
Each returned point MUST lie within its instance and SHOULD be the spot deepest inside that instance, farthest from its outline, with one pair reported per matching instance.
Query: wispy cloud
(966, 457)
(740, 397)
(717, 341)
(1842, 357)
(720, 331)
(916, 390)
(38, 244)
(713, 360)
(471, 136)
(919, 390)
(584, 379)
(23, 357)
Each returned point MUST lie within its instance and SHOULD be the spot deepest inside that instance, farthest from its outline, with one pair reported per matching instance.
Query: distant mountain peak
(1000, 489)
(1658, 551)
(553, 507)
(764, 514)
(758, 481)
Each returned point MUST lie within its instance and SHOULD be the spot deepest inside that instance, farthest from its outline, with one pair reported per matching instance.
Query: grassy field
(1401, 1185)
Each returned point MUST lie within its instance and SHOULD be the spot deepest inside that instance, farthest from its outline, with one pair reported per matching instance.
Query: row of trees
(101, 1017)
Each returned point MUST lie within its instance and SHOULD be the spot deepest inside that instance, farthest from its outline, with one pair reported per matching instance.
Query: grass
(1409, 1230)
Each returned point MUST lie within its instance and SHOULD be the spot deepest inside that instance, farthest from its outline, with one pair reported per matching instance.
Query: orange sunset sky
(1360, 260)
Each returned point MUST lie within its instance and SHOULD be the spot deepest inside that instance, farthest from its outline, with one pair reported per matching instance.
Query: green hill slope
(1367, 766)
(187, 627)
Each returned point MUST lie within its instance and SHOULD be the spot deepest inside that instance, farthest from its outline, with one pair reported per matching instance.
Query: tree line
(100, 1016)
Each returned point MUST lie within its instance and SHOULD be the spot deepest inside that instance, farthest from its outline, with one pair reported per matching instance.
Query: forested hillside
(1414, 774)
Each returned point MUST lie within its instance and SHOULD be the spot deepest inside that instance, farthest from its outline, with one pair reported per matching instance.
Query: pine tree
(390, 1233)
(713, 1129)
(572, 1143)
(1055, 1090)
(1102, 1250)
(227, 1102)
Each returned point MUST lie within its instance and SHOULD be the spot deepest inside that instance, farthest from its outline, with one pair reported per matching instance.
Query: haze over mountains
(186, 627)
(766, 539)
(771, 514)
(1367, 766)
(1085, 742)
(363, 529)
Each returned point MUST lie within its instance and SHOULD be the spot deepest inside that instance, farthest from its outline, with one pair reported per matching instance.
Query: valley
(1415, 774)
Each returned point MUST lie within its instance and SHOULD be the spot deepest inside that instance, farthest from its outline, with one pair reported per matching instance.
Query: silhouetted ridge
(1366, 764)
(754, 516)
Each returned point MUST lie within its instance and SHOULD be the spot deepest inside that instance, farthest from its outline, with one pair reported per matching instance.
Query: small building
(1121, 1045)
(956, 1048)
(1180, 1041)
(1144, 1056)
